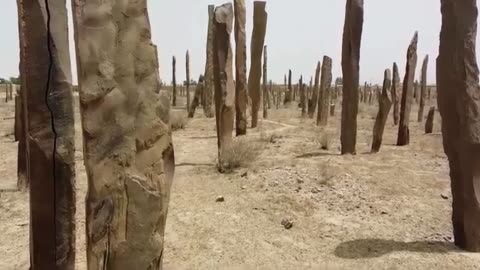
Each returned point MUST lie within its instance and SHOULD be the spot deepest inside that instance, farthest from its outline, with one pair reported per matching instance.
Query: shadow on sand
(316, 154)
(372, 248)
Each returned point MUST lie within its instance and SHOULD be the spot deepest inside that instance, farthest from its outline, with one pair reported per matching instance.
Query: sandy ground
(370, 211)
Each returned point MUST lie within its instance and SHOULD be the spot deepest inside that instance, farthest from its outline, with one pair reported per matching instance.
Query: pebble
(445, 197)
(220, 199)
(287, 223)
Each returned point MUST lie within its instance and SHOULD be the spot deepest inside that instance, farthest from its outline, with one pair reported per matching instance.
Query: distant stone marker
(385, 105)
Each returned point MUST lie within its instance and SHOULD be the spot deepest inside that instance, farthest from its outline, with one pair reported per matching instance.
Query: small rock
(445, 197)
(384, 212)
(220, 199)
(287, 223)
(244, 187)
(315, 190)
(244, 174)
(300, 181)
(273, 184)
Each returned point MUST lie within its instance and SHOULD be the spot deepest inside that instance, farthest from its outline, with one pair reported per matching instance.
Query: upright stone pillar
(314, 99)
(458, 89)
(423, 89)
(223, 77)
(407, 94)
(289, 92)
(265, 96)
(199, 89)
(209, 83)
(174, 81)
(396, 94)
(325, 85)
(46, 76)
(385, 105)
(187, 86)
(241, 93)
(303, 96)
(430, 119)
(256, 49)
(128, 148)
(416, 95)
(352, 36)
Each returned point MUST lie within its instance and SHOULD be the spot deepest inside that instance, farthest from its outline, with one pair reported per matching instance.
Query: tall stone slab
(46, 78)
(256, 51)
(352, 36)
(174, 81)
(265, 95)
(315, 91)
(128, 148)
(187, 86)
(223, 77)
(303, 96)
(241, 92)
(430, 119)
(396, 94)
(325, 89)
(423, 89)
(385, 104)
(407, 93)
(209, 83)
(458, 90)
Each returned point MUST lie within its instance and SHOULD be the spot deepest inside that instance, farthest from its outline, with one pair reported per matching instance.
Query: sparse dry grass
(240, 154)
(327, 173)
(178, 120)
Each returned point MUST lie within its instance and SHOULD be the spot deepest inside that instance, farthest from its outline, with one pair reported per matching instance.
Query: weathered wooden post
(423, 91)
(458, 90)
(385, 105)
(174, 81)
(324, 97)
(129, 163)
(430, 119)
(396, 94)
(241, 93)
(265, 96)
(223, 77)
(209, 83)
(256, 49)
(407, 94)
(352, 36)
(315, 91)
(46, 75)
(187, 86)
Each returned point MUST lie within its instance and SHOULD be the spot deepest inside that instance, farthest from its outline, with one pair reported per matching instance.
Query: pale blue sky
(299, 33)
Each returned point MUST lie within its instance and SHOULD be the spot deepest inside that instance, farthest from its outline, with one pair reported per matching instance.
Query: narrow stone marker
(223, 77)
(256, 51)
(197, 96)
(241, 92)
(396, 94)
(289, 92)
(129, 162)
(314, 100)
(385, 104)
(423, 91)
(324, 96)
(303, 96)
(187, 85)
(46, 73)
(430, 119)
(458, 90)
(352, 36)
(265, 96)
(407, 93)
(209, 83)
(174, 81)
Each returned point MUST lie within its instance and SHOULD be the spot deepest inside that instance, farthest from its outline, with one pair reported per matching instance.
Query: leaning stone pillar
(396, 94)
(423, 91)
(315, 91)
(407, 94)
(128, 148)
(458, 89)
(352, 36)
(209, 83)
(385, 105)
(256, 48)
(46, 73)
(223, 77)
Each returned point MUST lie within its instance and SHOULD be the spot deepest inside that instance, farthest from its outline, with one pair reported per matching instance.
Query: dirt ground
(370, 211)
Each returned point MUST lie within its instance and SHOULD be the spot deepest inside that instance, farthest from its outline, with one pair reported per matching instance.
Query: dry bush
(327, 173)
(240, 154)
(178, 120)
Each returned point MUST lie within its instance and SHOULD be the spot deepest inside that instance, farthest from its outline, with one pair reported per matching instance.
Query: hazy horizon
(298, 35)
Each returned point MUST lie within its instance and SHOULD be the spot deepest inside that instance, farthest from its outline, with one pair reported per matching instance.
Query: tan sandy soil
(382, 211)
